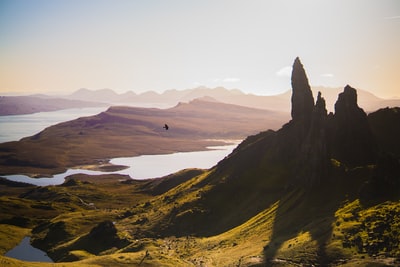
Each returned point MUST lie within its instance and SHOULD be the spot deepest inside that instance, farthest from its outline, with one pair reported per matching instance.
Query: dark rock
(385, 125)
(315, 158)
(71, 182)
(352, 142)
(103, 229)
(313, 137)
(48, 235)
(385, 182)
(309, 155)
(302, 98)
(320, 107)
(102, 237)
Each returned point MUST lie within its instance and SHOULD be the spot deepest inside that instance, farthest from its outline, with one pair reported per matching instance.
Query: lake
(152, 166)
(26, 252)
(143, 167)
(15, 127)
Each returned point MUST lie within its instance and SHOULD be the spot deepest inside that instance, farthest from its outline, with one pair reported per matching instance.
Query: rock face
(353, 142)
(385, 125)
(344, 136)
(103, 230)
(102, 237)
(315, 149)
(302, 98)
(302, 156)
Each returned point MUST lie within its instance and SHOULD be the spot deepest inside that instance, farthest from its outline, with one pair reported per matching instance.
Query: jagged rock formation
(305, 192)
(344, 136)
(298, 156)
(302, 98)
(308, 149)
(314, 148)
(353, 142)
(309, 143)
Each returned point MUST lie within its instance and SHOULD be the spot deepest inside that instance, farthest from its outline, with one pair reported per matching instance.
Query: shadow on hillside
(313, 211)
(309, 211)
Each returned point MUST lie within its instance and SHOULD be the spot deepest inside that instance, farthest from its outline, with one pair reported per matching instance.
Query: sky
(59, 46)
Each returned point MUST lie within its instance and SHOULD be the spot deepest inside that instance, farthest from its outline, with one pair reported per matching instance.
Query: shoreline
(105, 165)
(148, 161)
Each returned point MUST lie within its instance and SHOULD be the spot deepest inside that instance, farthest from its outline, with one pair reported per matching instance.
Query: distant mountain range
(17, 105)
(107, 97)
(280, 102)
(322, 190)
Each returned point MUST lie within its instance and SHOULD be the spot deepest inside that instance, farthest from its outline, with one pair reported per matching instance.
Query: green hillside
(323, 190)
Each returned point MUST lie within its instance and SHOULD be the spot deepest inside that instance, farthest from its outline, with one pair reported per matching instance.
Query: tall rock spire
(302, 98)
(314, 148)
(353, 143)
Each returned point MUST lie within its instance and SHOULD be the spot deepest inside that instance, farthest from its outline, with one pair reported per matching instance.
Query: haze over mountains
(107, 97)
(279, 102)
(322, 190)
(17, 105)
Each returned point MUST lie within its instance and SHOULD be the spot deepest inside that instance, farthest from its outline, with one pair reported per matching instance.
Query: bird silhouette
(166, 127)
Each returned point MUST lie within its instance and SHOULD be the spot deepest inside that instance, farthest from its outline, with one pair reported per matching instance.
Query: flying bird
(166, 127)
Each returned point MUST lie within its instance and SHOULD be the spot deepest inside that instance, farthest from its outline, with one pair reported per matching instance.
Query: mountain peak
(302, 98)
(320, 105)
(348, 97)
(344, 136)
(353, 142)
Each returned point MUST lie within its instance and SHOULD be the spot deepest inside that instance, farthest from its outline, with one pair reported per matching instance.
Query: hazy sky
(58, 46)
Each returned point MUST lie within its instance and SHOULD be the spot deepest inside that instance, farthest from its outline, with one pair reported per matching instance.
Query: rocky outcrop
(102, 237)
(352, 143)
(302, 98)
(344, 136)
(48, 235)
(301, 157)
(385, 125)
(315, 157)
(105, 229)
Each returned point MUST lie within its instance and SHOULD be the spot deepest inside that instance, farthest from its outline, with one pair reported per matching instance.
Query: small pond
(26, 252)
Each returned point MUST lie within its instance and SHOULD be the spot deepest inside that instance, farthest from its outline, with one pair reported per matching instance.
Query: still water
(143, 167)
(24, 251)
(15, 127)
(152, 166)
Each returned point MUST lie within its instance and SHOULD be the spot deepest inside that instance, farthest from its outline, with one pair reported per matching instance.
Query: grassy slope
(292, 229)
(193, 223)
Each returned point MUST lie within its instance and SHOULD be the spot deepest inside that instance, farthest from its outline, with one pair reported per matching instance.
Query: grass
(210, 217)
(370, 230)
(246, 244)
(11, 236)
